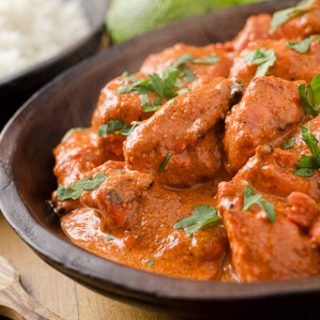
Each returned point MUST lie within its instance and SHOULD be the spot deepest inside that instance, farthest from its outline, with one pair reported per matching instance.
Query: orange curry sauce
(209, 132)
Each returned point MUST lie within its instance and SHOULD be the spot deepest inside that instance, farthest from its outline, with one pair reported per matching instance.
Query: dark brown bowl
(26, 164)
(15, 89)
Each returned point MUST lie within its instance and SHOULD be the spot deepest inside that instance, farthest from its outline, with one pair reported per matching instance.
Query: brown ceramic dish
(15, 89)
(26, 182)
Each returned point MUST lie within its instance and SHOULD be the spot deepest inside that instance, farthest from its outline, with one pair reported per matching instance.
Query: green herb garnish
(78, 187)
(263, 58)
(250, 199)
(164, 85)
(70, 132)
(300, 46)
(310, 96)
(304, 172)
(183, 90)
(289, 144)
(165, 162)
(182, 60)
(212, 59)
(202, 216)
(150, 262)
(281, 17)
(307, 164)
(109, 237)
(117, 127)
(129, 129)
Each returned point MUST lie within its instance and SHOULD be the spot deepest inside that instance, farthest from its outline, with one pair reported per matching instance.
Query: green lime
(127, 18)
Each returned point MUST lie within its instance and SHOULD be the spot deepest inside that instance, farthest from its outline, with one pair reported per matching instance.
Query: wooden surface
(60, 294)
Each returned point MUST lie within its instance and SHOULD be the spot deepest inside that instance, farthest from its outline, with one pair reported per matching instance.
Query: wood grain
(60, 294)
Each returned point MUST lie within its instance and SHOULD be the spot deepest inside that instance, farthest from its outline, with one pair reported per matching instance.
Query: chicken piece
(303, 209)
(289, 64)
(117, 199)
(159, 62)
(182, 129)
(78, 153)
(256, 28)
(298, 28)
(269, 109)
(68, 205)
(262, 249)
(117, 106)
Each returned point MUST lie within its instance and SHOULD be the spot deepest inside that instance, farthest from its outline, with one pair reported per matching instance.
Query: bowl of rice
(41, 38)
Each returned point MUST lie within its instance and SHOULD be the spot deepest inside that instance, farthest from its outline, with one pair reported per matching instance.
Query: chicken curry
(205, 164)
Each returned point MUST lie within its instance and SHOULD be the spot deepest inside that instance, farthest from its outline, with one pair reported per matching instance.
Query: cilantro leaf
(310, 96)
(80, 186)
(117, 127)
(304, 172)
(150, 108)
(289, 144)
(263, 58)
(212, 59)
(202, 216)
(250, 199)
(281, 17)
(150, 262)
(147, 105)
(307, 164)
(129, 129)
(164, 85)
(269, 209)
(310, 139)
(189, 74)
(315, 91)
(180, 64)
(165, 162)
(300, 46)
(182, 60)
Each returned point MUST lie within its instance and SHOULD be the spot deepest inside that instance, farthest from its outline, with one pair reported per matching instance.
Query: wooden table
(60, 294)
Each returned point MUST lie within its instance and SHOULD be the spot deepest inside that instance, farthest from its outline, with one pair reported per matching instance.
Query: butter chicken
(205, 163)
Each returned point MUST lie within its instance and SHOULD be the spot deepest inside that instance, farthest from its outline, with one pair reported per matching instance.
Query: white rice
(35, 30)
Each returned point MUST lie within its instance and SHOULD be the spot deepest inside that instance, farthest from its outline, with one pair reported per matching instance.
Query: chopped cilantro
(117, 127)
(150, 108)
(202, 216)
(212, 59)
(304, 172)
(300, 46)
(109, 237)
(165, 162)
(289, 144)
(80, 186)
(310, 96)
(165, 84)
(189, 74)
(129, 129)
(263, 58)
(150, 262)
(250, 199)
(307, 164)
(281, 17)
(182, 60)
